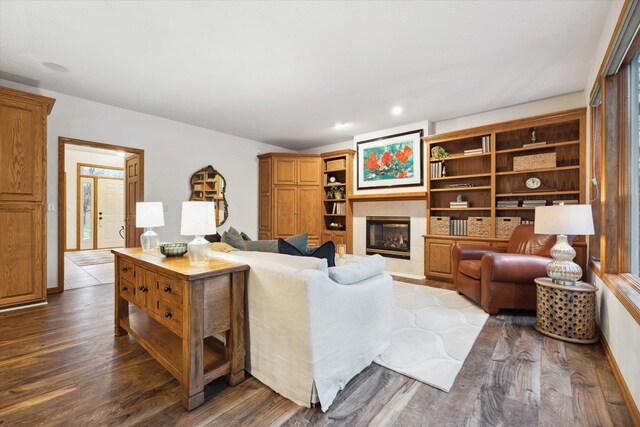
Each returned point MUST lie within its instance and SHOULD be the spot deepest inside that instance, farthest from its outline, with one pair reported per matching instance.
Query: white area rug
(433, 332)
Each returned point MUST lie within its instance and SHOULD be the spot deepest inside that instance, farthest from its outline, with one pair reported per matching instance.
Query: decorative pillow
(357, 270)
(299, 241)
(262, 246)
(326, 251)
(213, 237)
(221, 247)
(232, 237)
(245, 237)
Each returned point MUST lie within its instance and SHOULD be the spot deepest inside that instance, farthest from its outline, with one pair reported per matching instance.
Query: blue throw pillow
(326, 251)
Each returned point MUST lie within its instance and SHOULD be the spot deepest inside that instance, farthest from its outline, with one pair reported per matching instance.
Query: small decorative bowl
(173, 249)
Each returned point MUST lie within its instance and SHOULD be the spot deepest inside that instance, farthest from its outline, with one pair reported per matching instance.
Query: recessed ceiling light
(55, 67)
(340, 125)
(396, 111)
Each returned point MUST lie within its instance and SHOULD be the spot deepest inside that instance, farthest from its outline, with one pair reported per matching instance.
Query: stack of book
(459, 205)
(437, 170)
(339, 208)
(458, 227)
(486, 143)
(566, 202)
(508, 203)
(473, 151)
(533, 203)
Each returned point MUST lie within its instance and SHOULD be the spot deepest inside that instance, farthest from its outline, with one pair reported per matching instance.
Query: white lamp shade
(564, 219)
(149, 214)
(198, 218)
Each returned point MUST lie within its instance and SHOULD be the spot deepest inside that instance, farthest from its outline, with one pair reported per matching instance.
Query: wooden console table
(176, 311)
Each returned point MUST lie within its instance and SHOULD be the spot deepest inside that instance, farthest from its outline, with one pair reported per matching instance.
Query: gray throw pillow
(262, 246)
(299, 241)
(233, 238)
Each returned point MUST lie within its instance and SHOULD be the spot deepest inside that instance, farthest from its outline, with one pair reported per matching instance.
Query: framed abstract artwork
(391, 161)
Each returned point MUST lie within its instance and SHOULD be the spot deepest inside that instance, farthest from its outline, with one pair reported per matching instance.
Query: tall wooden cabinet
(23, 172)
(289, 196)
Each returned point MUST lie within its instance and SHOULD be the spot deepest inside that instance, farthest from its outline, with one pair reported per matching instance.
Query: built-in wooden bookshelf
(490, 177)
(337, 218)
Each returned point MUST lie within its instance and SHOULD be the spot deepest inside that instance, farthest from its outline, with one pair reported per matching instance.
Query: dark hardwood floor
(61, 365)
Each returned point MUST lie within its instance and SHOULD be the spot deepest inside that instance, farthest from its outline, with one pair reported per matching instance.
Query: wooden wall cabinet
(488, 178)
(23, 172)
(289, 196)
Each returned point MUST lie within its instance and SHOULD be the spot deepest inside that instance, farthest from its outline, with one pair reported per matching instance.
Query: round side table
(566, 312)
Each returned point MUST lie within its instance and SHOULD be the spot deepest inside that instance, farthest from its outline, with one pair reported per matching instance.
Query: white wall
(622, 333)
(71, 159)
(173, 152)
(534, 108)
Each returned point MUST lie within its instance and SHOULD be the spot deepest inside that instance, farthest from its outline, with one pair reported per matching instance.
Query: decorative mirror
(208, 185)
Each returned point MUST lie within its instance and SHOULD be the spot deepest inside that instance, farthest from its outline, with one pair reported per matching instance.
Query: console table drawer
(170, 316)
(169, 290)
(127, 290)
(127, 271)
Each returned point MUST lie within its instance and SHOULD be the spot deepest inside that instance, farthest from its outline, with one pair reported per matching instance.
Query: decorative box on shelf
(534, 161)
(440, 225)
(505, 226)
(479, 226)
(336, 164)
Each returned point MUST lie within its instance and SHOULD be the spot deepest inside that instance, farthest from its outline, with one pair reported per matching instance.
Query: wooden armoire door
(134, 192)
(264, 200)
(285, 170)
(285, 211)
(309, 171)
(23, 174)
(308, 210)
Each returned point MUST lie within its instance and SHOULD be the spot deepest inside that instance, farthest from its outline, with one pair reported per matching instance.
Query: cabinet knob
(143, 288)
(167, 288)
(125, 269)
(168, 314)
(124, 288)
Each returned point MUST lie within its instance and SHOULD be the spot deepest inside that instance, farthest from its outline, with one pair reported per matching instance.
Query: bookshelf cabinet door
(438, 258)
(284, 211)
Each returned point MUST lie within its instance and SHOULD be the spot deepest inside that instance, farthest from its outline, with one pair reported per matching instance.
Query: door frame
(79, 177)
(62, 194)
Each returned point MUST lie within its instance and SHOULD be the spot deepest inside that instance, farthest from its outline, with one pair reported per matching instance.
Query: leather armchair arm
(473, 251)
(513, 268)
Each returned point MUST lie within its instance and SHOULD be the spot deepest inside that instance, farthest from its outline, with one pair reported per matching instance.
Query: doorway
(98, 189)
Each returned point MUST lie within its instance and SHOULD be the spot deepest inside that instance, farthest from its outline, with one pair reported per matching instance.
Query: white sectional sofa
(308, 335)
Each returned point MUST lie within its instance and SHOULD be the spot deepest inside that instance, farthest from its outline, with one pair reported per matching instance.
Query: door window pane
(104, 172)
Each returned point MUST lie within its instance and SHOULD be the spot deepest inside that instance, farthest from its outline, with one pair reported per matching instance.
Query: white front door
(110, 213)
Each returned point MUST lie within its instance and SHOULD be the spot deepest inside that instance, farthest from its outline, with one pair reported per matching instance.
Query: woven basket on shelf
(534, 161)
(478, 226)
(440, 225)
(336, 164)
(505, 226)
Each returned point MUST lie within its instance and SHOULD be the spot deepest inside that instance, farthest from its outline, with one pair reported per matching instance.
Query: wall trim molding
(634, 413)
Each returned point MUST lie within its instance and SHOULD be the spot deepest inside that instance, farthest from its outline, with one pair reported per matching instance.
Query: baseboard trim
(634, 413)
(22, 307)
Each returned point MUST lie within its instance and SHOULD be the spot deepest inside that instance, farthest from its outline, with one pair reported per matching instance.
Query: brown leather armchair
(498, 278)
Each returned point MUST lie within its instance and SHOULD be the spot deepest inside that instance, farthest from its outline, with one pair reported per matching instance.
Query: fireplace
(389, 236)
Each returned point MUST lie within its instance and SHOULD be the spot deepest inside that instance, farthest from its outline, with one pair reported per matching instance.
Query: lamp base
(149, 240)
(562, 269)
(198, 251)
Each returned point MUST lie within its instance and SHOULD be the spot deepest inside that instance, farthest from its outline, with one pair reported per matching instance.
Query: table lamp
(563, 220)
(198, 219)
(149, 215)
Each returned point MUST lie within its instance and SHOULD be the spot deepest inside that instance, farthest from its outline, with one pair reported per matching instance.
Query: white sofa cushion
(296, 262)
(357, 270)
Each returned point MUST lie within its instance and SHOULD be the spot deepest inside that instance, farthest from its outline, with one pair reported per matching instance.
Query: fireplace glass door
(389, 236)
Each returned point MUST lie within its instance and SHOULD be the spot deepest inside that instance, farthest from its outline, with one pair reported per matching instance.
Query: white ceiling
(286, 72)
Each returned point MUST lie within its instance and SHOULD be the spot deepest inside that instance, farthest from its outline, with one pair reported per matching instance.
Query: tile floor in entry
(76, 276)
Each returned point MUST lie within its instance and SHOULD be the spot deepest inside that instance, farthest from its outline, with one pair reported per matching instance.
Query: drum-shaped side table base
(566, 312)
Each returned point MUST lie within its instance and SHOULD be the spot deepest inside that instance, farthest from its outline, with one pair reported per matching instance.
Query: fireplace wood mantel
(389, 197)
